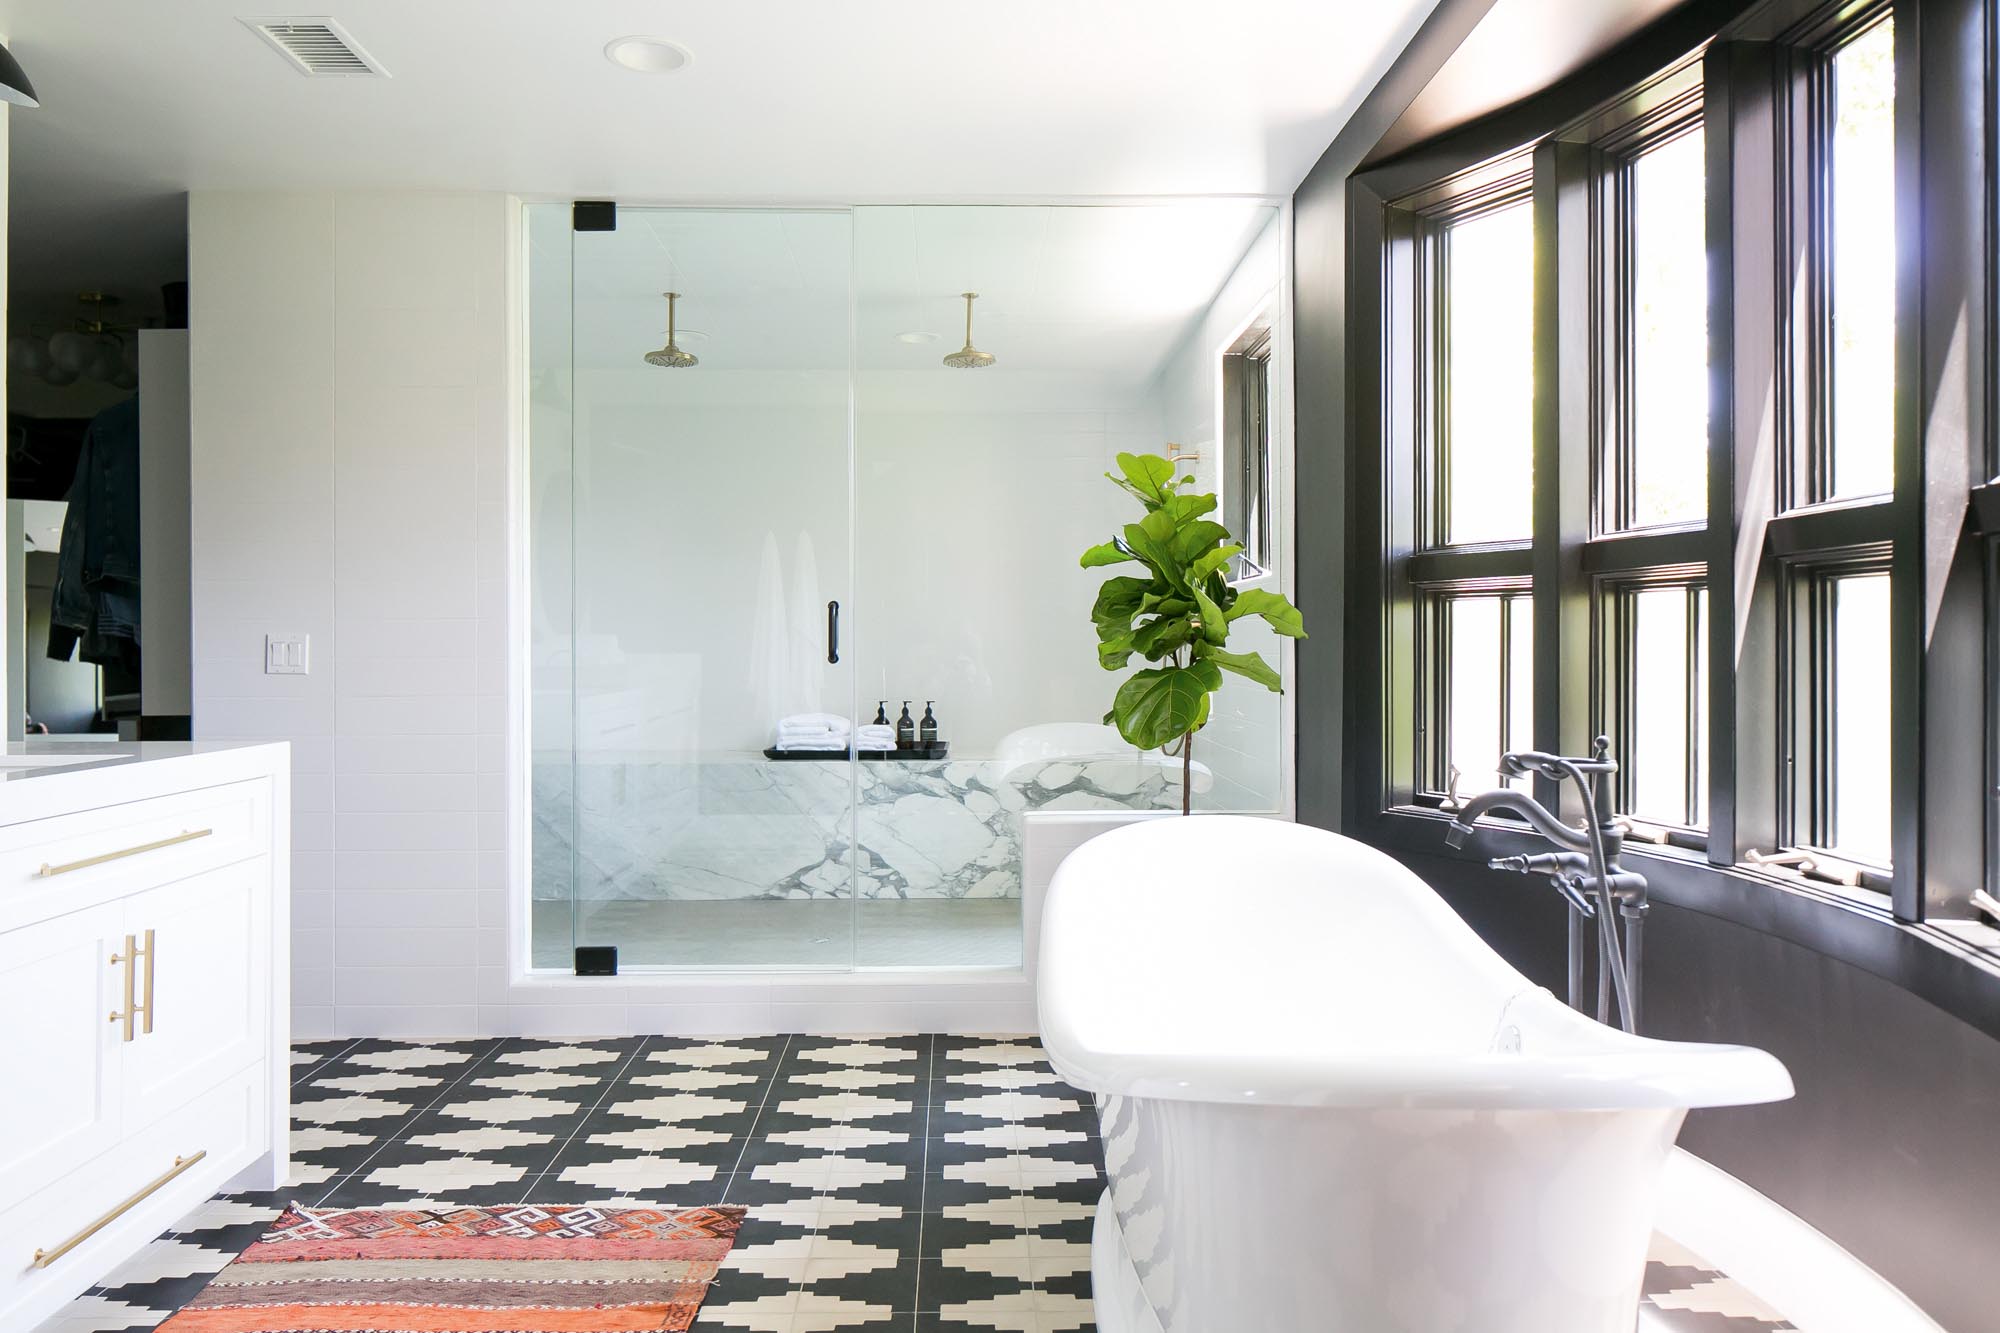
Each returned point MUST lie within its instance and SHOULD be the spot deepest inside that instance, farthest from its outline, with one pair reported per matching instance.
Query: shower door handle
(833, 632)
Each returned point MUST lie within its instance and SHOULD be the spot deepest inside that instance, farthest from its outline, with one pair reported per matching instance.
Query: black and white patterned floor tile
(923, 1184)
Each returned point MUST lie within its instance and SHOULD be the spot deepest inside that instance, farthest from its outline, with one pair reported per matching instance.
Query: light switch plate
(287, 655)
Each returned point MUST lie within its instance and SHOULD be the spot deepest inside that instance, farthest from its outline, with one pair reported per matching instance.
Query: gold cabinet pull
(48, 871)
(146, 951)
(127, 1014)
(43, 1258)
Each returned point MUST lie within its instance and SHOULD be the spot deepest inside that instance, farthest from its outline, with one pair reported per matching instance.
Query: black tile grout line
(923, 1181)
(319, 1067)
(749, 1135)
(491, 1051)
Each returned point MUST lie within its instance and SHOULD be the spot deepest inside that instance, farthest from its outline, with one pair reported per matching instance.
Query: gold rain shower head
(670, 356)
(968, 357)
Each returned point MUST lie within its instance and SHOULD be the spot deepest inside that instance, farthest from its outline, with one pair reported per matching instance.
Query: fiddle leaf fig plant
(1176, 615)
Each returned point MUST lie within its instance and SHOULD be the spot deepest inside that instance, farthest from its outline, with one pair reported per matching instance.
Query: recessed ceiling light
(647, 55)
(916, 338)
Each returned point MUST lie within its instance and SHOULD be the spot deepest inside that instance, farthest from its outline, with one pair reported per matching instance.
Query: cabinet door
(205, 983)
(60, 1101)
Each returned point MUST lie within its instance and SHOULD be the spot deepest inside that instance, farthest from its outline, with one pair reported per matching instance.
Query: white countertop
(77, 775)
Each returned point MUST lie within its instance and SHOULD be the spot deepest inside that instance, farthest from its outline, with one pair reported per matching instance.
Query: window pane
(1664, 734)
(1858, 719)
(1863, 200)
(1246, 439)
(1670, 335)
(1701, 708)
(1472, 745)
(1520, 677)
(1489, 376)
(1477, 731)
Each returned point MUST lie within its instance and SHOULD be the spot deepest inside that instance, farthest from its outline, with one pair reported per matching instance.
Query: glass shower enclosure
(768, 498)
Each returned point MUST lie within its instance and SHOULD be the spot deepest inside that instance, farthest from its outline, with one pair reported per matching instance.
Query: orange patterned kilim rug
(468, 1270)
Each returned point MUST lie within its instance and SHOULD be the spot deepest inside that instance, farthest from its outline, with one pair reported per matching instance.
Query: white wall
(1244, 741)
(350, 420)
(976, 493)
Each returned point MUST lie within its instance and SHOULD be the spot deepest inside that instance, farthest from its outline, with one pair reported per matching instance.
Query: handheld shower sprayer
(1585, 871)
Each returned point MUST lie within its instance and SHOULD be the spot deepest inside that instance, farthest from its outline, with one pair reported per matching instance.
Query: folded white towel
(814, 745)
(872, 737)
(814, 722)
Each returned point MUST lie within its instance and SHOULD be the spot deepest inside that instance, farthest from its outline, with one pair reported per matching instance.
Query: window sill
(1954, 965)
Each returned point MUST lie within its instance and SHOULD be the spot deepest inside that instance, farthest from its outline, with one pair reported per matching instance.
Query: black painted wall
(1890, 1146)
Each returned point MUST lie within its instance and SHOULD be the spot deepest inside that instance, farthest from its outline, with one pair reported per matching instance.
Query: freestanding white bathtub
(1327, 1105)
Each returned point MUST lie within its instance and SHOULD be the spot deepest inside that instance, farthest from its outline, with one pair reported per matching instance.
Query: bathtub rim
(1611, 1071)
(1703, 1076)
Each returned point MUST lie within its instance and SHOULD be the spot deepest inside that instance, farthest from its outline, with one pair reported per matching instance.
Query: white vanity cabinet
(143, 1007)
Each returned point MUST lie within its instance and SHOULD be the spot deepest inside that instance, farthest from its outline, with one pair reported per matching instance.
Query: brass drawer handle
(130, 1011)
(151, 955)
(142, 1009)
(43, 1258)
(49, 871)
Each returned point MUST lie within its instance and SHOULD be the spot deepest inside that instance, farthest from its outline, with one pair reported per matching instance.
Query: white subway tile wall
(350, 399)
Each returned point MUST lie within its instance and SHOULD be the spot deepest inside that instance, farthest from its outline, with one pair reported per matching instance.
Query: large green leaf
(1118, 601)
(1284, 617)
(1147, 476)
(1213, 562)
(1106, 553)
(1194, 540)
(1151, 539)
(1248, 665)
(1214, 624)
(1159, 706)
(1114, 650)
(1162, 635)
(1184, 509)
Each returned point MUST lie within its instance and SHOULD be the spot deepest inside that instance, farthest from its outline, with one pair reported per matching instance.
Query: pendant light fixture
(670, 356)
(968, 357)
(14, 85)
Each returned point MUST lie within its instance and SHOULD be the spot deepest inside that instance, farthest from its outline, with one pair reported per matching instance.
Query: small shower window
(1246, 445)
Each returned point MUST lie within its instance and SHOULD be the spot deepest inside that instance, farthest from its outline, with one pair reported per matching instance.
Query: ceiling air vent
(317, 47)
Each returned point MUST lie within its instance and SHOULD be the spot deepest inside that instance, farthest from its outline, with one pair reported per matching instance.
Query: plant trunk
(1187, 774)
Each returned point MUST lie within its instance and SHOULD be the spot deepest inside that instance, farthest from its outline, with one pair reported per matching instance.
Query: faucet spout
(1542, 819)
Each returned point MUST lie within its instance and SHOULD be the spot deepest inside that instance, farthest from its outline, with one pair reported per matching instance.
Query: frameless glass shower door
(786, 492)
(707, 561)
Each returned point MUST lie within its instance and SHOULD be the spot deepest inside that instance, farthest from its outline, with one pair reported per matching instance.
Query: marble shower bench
(741, 826)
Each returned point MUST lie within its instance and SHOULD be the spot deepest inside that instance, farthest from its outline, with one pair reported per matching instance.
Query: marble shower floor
(896, 1184)
(789, 933)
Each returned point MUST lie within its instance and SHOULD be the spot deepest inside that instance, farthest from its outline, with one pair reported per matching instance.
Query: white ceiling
(876, 100)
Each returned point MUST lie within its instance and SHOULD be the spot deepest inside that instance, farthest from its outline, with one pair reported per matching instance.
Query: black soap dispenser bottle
(906, 729)
(927, 730)
(882, 712)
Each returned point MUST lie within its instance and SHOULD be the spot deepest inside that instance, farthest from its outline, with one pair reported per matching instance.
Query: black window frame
(1754, 62)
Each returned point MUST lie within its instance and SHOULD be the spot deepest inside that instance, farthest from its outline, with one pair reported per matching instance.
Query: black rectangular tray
(941, 750)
